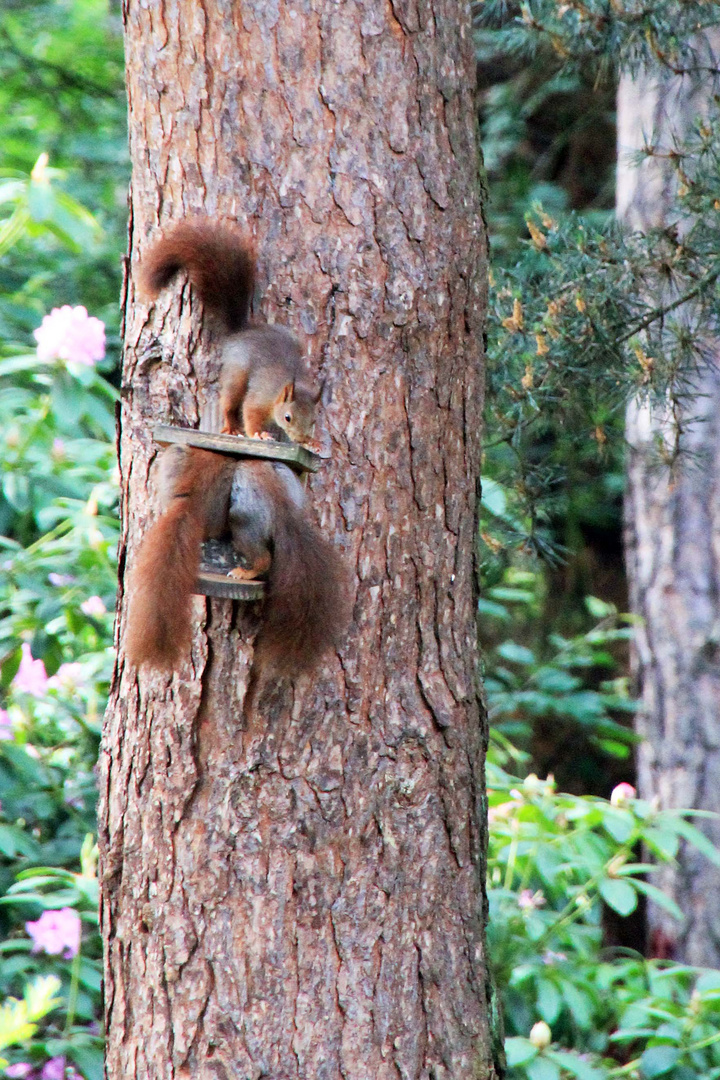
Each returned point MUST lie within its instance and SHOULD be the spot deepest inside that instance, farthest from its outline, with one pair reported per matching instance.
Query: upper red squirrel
(263, 391)
(260, 504)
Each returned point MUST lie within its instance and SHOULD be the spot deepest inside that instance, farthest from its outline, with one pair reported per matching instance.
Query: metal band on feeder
(218, 557)
(211, 583)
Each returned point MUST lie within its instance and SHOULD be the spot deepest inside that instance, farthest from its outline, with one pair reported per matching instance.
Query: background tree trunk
(672, 525)
(305, 898)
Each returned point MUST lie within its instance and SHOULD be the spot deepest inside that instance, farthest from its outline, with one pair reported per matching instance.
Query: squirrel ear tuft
(286, 394)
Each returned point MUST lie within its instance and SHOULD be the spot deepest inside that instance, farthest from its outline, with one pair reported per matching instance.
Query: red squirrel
(263, 387)
(259, 504)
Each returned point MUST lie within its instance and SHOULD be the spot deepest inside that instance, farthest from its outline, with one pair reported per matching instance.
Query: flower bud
(39, 169)
(615, 865)
(540, 1035)
(622, 794)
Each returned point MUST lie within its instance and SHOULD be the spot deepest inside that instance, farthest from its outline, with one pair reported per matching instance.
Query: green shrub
(572, 1008)
(58, 540)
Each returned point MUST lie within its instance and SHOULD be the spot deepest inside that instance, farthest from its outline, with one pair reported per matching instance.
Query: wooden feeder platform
(218, 557)
(297, 457)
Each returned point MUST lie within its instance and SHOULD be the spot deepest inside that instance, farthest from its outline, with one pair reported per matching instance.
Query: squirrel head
(294, 411)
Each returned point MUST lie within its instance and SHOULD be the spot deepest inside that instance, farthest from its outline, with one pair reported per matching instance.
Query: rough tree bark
(672, 524)
(304, 897)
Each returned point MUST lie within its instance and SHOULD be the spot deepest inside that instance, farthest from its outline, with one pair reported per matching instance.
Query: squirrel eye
(288, 417)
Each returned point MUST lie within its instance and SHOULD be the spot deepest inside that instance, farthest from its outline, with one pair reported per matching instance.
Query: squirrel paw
(239, 573)
(250, 573)
(322, 449)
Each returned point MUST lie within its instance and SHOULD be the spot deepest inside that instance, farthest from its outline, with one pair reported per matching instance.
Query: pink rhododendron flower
(622, 794)
(60, 579)
(31, 677)
(69, 333)
(67, 677)
(93, 606)
(56, 932)
(502, 810)
(550, 957)
(54, 1069)
(528, 900)
(21, 1069)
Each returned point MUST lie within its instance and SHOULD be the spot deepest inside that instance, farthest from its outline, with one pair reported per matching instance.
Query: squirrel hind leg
(232, 395)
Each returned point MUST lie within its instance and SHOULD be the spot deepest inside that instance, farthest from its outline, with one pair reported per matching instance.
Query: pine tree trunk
(672, 523)
(303, 897)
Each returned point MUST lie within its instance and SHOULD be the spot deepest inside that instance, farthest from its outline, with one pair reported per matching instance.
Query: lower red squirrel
(259, 504)
(263, 388)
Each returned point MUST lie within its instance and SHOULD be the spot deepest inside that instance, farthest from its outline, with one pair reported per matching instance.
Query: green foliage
(553, 860)
(60, 95)
(583, 314)
(548, 137)
(18, 1018)
(61, 90)
(537, 679)
(32, 205)
(608, 35)
(573, 1007)
(575, 335)
(58, 536)
(73, 1032)
(56, 600)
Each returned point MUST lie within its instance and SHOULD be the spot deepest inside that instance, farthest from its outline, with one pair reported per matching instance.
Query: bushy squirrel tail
(218, 259)
(161, 586)
(307, 607)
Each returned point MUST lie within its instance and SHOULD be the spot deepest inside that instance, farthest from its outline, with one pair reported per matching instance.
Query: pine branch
(665, 309)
